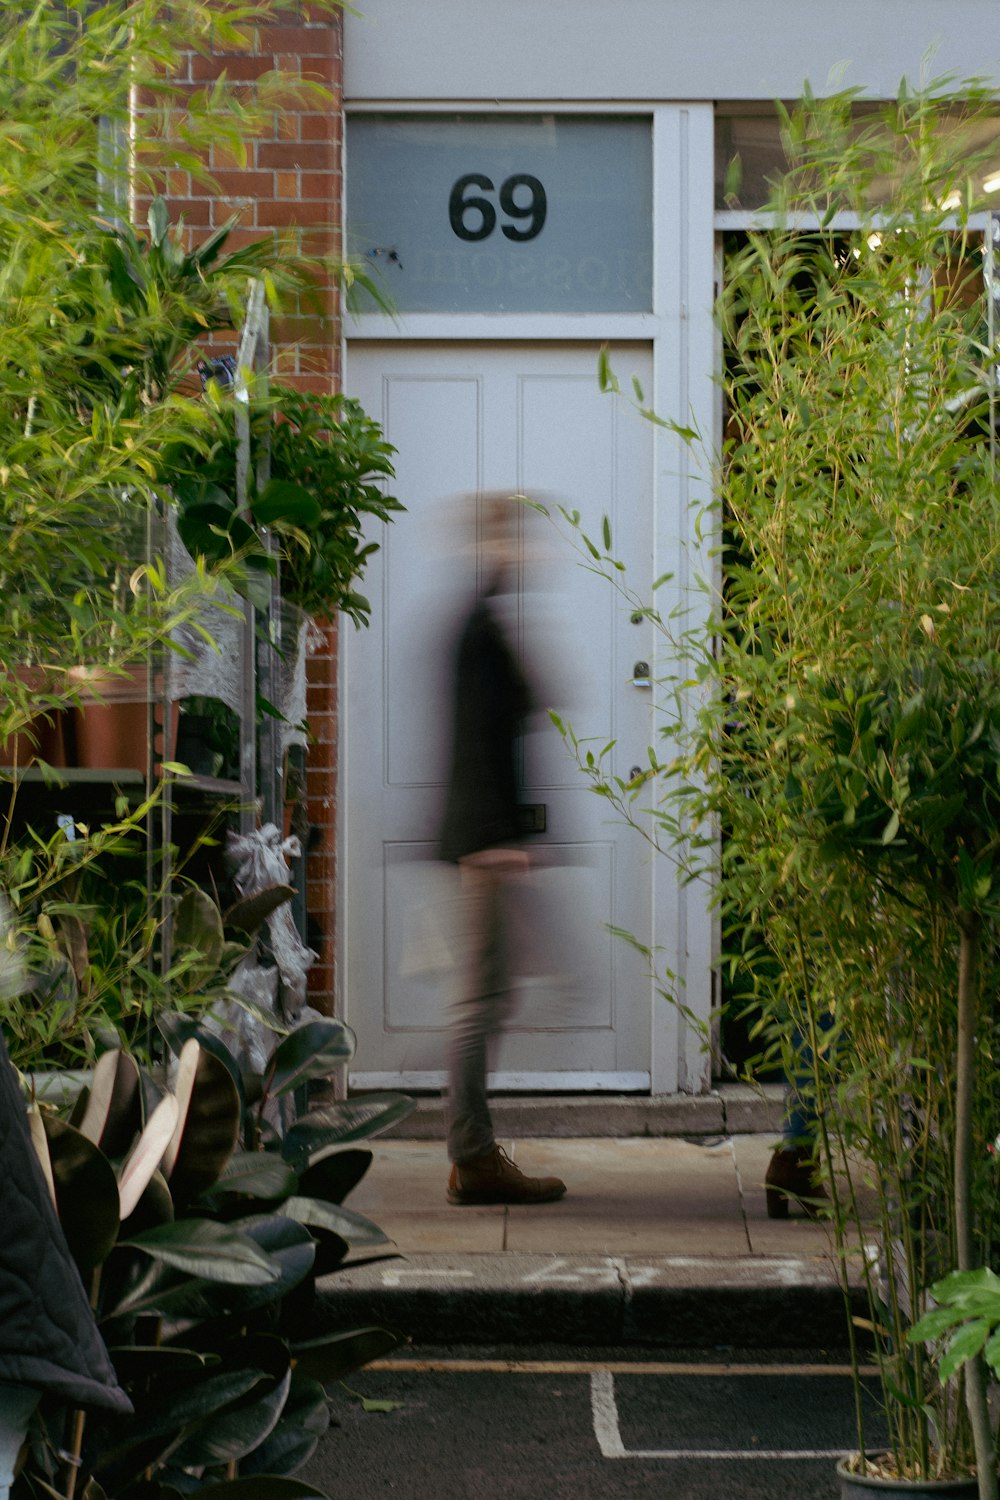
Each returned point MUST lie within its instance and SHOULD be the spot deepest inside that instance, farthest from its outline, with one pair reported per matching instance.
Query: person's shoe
(792, 1174)
(494, 1178)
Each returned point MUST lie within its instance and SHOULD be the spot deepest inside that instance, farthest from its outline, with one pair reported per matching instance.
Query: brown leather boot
(792, 1175)
(493, 1178)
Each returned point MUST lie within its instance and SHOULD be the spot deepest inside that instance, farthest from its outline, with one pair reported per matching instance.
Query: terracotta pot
(44, 736)
(111, 720)
(868, 1487)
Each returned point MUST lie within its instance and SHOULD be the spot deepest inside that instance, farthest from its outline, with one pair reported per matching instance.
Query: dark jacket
(490, 701)
(48, 1337)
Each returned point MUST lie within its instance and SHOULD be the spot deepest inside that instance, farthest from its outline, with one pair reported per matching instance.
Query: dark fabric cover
(491, 701)
(48, 1337)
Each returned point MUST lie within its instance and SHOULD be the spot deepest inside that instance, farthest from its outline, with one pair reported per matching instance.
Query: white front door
(468, 418)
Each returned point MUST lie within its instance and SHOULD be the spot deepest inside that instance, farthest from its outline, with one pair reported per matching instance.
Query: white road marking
(559, 1271)
(604, 1409)
(394, 1278)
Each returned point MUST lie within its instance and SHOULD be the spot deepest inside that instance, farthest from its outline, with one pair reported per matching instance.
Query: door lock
(640, 675)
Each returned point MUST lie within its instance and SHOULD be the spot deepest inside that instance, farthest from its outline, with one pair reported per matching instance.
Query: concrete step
(729, 1109)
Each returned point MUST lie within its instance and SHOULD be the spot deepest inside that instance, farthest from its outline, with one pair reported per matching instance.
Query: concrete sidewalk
(659, 1240)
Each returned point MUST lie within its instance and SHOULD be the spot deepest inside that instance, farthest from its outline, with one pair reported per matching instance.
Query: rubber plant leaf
(262, 1487)
(113, 1115)
(207, 1249)
(198, 926)
(229, 1436)
(333, 1178)
(254, 1174)
(321, 1131)
(339, 1354)
(358, 1231)
(36, 1129)
(304, 1420)
(288, 1247)
(176, 1029)
(208, 1123)
(135, 1362)
(310, 1051)
(86, 1194)
(250, 913)
(137, 1172)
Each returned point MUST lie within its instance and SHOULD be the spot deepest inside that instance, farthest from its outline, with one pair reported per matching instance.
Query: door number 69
(464, 204)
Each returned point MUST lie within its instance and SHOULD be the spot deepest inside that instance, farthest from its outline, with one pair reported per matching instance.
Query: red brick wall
(292, 179)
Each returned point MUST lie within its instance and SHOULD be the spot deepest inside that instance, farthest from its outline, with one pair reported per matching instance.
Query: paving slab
(659, 1240)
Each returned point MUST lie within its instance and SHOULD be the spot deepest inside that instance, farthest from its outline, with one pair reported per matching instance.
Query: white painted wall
(510, 50)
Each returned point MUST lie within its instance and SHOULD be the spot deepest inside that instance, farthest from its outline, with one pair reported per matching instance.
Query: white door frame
(681, 332)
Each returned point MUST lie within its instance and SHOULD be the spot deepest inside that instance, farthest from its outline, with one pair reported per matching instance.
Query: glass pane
(506, 214)
(750, 156)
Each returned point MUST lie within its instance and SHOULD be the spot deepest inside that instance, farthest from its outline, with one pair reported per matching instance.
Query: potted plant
(838, 718)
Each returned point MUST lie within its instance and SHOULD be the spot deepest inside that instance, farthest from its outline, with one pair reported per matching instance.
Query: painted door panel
(468, 419)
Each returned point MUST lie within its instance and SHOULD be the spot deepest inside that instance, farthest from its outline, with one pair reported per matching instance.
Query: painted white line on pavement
(604, 1408)
(395, 1278)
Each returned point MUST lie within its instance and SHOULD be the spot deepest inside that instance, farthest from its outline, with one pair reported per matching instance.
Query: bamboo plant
(831, 756)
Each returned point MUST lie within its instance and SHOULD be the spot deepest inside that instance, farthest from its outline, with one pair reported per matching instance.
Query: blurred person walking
(481, 832)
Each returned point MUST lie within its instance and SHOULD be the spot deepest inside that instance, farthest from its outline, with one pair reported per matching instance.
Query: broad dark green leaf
(112, 1117)
(305, 1418)
(321, 1131)
(86, 1194)
(196, 1400)
(177, 1029)
(134, 1362)
(358, 1231)
(262, 1487)
(249, 913)
(336, 1355)
(209, 1250)
(281, 500)
(333, 1178)
(228, 1436)
(254, 1174)
(310, 1051)
(209, 1123)
(198, 925)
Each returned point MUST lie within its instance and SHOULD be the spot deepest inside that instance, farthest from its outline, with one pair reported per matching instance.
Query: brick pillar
(292, 180)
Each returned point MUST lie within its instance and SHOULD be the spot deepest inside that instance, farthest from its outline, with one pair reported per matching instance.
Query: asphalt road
(576, 1427)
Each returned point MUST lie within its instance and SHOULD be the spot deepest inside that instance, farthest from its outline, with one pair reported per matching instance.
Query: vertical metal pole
(991, 282)
(269, 641)
(246, 362)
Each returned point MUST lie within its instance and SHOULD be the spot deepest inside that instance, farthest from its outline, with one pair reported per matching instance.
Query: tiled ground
(624, 1197)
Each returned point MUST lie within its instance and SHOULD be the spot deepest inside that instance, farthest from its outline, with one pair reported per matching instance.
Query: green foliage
(832, 705)
(966, 1315)
(201, 1284)
(326, 466)
(88, 934)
